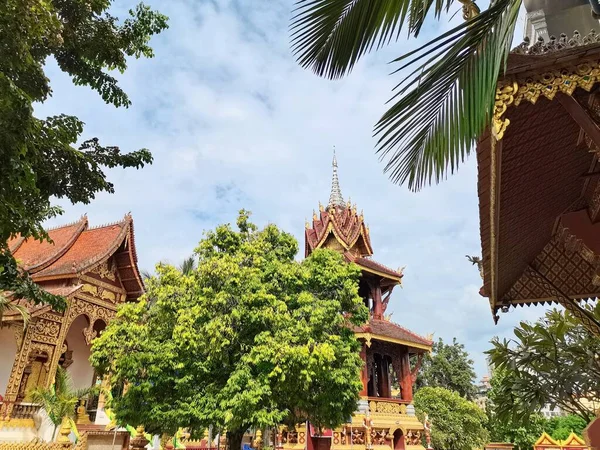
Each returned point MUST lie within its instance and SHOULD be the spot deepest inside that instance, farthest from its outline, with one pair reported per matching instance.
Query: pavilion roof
(76, 249)
(388, 331)
(539, 197)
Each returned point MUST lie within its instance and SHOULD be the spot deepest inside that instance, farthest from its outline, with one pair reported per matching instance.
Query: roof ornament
(335, 199)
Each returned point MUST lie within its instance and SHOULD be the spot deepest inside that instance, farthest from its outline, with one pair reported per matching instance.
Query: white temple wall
(8, 351)
(81, 370)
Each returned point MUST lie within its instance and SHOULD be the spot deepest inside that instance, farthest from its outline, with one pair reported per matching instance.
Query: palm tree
(444, 103)
(188, 265)
(7, 305)
(60, 399)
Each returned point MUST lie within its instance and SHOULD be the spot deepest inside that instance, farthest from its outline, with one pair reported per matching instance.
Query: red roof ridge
(70, 224)
(125, 219)
(83, 225)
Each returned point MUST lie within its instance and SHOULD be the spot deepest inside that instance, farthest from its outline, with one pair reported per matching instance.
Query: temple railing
(24, 410)
(387, 405)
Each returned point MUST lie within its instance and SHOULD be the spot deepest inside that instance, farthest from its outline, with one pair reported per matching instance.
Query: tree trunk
(235, 439)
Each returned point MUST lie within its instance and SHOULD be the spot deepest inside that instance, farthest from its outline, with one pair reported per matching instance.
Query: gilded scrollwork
(45, 330)
(505, 96)
(105, 270)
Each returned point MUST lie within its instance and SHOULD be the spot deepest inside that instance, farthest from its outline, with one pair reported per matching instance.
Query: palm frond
(188, 265)
(444, 104)
(330, 36)
(8, 305)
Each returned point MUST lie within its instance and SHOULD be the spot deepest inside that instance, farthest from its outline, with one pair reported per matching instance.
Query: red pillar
(406, 381)
(377, 302)
(364, 373)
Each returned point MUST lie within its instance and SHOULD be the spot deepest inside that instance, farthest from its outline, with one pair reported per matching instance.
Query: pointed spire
(335, 199)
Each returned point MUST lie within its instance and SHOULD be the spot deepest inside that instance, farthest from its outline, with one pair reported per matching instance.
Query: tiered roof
(76, 249)
(340, 227)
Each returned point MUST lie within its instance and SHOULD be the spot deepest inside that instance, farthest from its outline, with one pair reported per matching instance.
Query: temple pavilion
(95, 269)
(392, 354)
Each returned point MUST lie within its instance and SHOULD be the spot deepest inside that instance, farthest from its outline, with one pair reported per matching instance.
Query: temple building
(95, 269)
(392, 354)
(539, 169)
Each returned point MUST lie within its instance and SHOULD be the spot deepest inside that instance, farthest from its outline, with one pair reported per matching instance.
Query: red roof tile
(374, 265)
(32, 254)
(392, 330)
(92, 246)
(347, 226)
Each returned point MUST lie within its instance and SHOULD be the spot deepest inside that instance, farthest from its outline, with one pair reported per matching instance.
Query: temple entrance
(398, 440)
(76, 358)
(8, 351)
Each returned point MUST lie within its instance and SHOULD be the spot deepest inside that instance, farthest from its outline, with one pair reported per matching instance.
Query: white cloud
(234, 122)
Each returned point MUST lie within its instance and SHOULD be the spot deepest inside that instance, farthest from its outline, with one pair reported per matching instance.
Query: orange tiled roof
(32, 255)
(92, 246)
(76, 249)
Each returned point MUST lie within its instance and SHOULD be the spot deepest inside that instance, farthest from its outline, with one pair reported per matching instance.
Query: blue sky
(233, 122)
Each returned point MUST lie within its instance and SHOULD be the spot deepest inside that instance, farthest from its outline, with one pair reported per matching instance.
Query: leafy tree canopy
(249, 337)
(456, 423)
(553, 361)
(38, 156)
(522, 434)
(561, 427)
(448, 366)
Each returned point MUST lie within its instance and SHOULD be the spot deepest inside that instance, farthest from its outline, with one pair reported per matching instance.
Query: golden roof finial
(321, 207)
(314, 215)
(306, 225)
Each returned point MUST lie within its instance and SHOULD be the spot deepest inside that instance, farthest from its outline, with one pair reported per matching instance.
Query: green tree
(60, 399)
(38, 156)
(446, 100)
(448, 366)
(553, 361)
(561, 427)
(456, 423)
(250, 338)
(521, 433)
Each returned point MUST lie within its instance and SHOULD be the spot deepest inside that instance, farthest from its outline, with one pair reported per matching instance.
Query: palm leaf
(330, 36)
(188, 265)
(447, 101)
(7, 305)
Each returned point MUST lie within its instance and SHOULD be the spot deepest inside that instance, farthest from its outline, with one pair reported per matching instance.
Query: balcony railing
(387, 405)
(24, 410)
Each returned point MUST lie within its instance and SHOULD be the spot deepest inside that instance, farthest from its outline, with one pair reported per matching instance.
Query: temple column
(406, 377)
(385, 378)
(377, 302)
(364, 373)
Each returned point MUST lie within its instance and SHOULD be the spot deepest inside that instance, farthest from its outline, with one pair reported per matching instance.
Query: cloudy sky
(233, 122)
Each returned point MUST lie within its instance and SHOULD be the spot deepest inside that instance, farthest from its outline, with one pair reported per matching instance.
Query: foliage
(456, 423)
(522, 434)
(38, 157)
(446, 97)
(188, 265)
(250, 338)
(553, 361)
(448, 366)
(7, 305)
(562, 426)
(60, 399)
